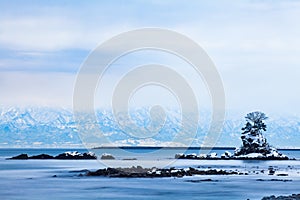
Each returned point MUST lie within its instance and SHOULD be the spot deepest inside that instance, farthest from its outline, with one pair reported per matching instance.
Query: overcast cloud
(254, 44)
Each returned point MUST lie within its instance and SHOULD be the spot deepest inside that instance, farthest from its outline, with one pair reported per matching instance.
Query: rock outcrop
(139, 172)
(76, 156)
(107, 156)
(63, 156)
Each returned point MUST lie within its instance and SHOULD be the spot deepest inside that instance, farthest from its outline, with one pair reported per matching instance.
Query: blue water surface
(59, 179)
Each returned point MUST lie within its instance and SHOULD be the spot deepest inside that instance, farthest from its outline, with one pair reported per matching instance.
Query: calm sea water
(33, 179)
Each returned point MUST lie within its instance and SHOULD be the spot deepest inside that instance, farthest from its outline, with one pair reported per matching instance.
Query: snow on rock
(212, 155)
(70, 153)
(194, 156)
(202, 155)
(251, 155)
(75, 155)
(158, 172)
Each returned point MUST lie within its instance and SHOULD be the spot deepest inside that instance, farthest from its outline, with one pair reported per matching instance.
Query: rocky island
(140, 172)
(254, 144)
(63, 156)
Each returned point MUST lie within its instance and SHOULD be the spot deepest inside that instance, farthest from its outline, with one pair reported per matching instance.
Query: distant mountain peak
(52, 127)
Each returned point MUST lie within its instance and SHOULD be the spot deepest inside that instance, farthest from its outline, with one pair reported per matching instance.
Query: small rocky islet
(140, 172)
(254, 144)
(63, 156)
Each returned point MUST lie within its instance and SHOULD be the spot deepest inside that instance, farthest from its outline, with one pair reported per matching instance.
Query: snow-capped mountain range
(56, 127)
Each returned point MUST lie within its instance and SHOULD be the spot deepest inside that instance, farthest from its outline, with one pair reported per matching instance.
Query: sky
(255, 46)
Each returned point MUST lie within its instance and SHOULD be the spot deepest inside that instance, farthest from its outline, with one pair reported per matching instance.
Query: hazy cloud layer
(254, 44)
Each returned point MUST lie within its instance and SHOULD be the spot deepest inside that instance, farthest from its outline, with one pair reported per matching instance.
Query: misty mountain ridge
(56, 127)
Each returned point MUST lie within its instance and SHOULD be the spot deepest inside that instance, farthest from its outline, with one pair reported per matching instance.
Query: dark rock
(20, 157)
(78, 171)
(179, 156)
(282, 174)
(271, 172)
(106, 156)
(41, 156)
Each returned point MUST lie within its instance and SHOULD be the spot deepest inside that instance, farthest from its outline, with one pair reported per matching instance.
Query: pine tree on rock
(253, 140)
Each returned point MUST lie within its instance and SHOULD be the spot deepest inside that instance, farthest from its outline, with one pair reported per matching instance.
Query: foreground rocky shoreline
(290, 197)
